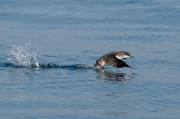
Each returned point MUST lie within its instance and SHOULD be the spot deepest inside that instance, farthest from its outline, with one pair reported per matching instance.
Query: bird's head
(123, 55)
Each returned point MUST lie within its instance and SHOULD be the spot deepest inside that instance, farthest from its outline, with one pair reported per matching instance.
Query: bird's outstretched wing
(112, 60)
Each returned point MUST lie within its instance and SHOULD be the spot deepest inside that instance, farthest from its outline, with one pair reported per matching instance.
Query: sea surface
(66, 37)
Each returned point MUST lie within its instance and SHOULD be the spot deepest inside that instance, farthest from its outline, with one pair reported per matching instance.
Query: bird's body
(114, 59)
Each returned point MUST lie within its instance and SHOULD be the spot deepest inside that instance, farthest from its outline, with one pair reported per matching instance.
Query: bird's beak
(131, 56)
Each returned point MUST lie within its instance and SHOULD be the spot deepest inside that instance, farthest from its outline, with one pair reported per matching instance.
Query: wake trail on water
(22, 56)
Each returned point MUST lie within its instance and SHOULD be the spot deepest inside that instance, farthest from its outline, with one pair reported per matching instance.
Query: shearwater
(113, 59)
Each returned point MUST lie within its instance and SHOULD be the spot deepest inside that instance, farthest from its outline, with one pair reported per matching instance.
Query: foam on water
(22, 56)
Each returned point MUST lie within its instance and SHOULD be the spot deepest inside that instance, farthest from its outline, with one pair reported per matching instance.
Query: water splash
(22, 56)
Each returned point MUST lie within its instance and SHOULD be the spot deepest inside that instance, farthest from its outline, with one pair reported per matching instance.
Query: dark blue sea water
(73, 34)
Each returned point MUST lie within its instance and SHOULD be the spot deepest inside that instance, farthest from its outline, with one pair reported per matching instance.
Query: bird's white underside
(120, 57)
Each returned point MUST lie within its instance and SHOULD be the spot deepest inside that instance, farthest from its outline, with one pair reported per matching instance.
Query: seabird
(113, 59)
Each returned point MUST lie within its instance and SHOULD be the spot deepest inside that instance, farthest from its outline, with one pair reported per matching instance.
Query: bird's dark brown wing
(112, 60)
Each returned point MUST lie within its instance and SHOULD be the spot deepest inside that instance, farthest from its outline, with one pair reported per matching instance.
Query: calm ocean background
(74, 34)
